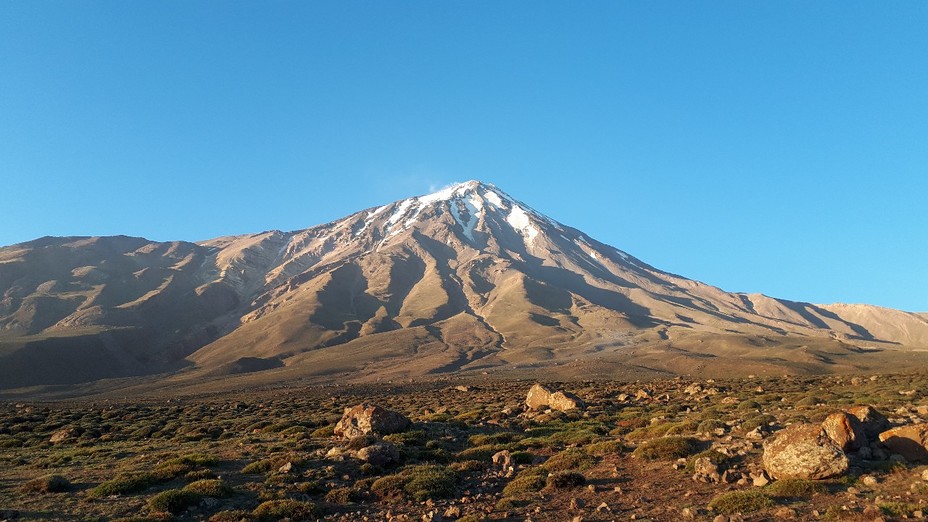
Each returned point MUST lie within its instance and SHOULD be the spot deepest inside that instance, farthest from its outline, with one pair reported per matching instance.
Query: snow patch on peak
(521, 222)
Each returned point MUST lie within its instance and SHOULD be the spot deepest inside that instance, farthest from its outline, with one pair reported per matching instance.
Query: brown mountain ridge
(464, 280)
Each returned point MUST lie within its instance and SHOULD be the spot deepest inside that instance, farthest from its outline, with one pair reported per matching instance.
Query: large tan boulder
(367, 418)
(873, 421)
(909, 441)
(845, 430)
(803, 451)
(541, 397)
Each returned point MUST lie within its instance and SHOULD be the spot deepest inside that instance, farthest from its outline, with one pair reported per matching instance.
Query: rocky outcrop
(845, 430)
(367, 418)
(541, 397)
(803, 451)
(909, 441)
(873, 421)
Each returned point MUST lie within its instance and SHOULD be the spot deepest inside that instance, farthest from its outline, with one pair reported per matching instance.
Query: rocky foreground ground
(805, 448)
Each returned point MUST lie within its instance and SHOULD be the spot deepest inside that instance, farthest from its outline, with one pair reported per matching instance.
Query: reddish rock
(873, 421)
(803, 451)
(909, 441)
(846, 431)
(368, 418)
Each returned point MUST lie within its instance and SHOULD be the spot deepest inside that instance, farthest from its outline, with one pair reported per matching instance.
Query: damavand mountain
(467, 279)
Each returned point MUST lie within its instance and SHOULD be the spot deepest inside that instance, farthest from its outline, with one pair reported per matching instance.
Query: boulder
(803, 451)
(909, 441)
(368, 418)
(380, 454)
(845, 430)
(540, 397)
(873, 421)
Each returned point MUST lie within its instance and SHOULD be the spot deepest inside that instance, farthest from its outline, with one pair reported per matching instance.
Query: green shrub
(709, 426)
(795, 488)
(343, 496)
(493, 438)
(430, 481)
(323, 432)
(292, 509)
(749, 406)
(668, 448)
(757, 421)
(123, 484)
(570, 459)
(565, 480)
(173, 501)
(528, 480)
(606, 447)
(744, 501)
(407, 438)
(210, 488)
(420, 482)
(47, 484)
(522, 457)
(465, 466)
(483, 453)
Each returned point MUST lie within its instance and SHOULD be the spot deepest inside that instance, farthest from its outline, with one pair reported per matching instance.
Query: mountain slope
(467, 278)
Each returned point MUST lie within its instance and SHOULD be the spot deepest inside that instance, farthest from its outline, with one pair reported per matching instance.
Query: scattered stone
(286, 468)
(540, 397)
(909, 441)
(759, 479)
(503, 459)
(869, 480)
(380, 454)
(368, 418)
(705, 470)
(464, 388)
(803, 451)
(784, 513)
(642, 395)
(845, 430)
(874, 422)
(63, 435)
(452, 512)
(693, 389)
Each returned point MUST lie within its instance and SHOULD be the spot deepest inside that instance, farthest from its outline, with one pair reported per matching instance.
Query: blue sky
(775, 147)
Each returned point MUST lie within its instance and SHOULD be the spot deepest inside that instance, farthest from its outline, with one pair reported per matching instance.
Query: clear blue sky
(771, 146)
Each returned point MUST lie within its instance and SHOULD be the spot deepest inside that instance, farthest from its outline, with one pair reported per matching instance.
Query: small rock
(759, 479)
(452, 512)
(869, 480)
(603, 508)
(380, 454)
(431, 516)
(286, 468)
(503, 459)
